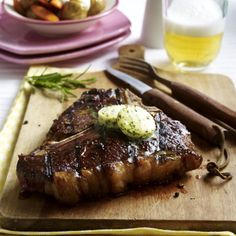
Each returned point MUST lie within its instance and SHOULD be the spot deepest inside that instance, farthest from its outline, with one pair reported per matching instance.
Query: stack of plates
(19, 44)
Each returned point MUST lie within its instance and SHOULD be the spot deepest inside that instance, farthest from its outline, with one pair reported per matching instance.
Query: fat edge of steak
(86, 161)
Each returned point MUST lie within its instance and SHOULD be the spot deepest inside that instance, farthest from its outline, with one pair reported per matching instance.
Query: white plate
(59, 28)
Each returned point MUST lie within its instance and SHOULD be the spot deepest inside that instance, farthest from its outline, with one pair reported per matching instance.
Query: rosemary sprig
(62, 83)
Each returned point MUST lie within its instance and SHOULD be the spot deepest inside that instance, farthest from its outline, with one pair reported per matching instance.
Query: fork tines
(132, 63)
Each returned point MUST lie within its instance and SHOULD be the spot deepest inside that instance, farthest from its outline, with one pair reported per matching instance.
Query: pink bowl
(60, 28)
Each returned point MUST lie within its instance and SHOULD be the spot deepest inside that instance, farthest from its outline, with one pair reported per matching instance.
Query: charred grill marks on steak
(83, 112)
(79, 159)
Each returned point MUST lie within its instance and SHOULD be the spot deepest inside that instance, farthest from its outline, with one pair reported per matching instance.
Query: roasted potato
(58, 4)
(96, 7)
(75, 9)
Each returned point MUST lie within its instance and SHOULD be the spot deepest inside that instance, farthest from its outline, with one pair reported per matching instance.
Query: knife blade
(138, 85)
(176, 110)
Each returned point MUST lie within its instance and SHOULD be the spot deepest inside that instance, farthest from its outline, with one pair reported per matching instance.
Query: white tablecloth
(12, 74)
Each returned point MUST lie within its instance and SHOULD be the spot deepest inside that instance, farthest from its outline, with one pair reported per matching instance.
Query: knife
(195, 122)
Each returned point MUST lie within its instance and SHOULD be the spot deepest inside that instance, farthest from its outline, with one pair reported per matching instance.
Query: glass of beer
(193, 31)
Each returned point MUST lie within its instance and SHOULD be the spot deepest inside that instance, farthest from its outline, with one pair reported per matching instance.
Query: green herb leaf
(62, 83)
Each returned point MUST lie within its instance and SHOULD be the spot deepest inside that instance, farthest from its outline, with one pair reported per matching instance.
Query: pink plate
(19, 39)
(62, 56)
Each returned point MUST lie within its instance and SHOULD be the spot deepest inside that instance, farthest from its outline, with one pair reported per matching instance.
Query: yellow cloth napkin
(8, 137)
(135, 231)
(10, 130)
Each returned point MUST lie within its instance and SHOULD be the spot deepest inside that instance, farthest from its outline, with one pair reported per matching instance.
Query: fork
(185, 94)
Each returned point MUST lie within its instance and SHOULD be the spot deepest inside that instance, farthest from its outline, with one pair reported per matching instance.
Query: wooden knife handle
(203, 103)
(193, 120)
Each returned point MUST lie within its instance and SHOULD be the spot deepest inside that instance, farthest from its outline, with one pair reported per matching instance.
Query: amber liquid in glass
(192, 51)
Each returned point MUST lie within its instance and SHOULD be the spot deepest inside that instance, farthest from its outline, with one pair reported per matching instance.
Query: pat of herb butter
(133, 121)
(136, 122)
(107, 116)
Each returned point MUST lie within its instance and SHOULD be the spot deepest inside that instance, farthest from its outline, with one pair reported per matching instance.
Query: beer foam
(195, 17)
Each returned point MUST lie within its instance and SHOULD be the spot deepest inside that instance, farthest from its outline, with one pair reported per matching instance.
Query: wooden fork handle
(193, 120)
(203, 104)
(132, 50)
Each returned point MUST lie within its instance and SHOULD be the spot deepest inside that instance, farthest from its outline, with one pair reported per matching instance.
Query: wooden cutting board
(203, 204)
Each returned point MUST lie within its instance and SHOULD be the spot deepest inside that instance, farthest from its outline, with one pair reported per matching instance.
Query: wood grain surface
(203, 203)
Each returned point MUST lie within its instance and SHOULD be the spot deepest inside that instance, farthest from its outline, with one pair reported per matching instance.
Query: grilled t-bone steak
(80, 159)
